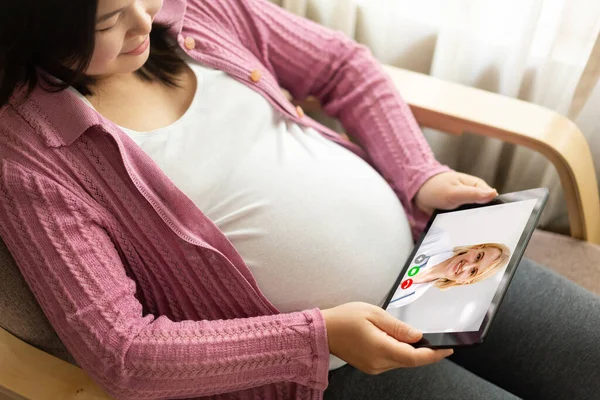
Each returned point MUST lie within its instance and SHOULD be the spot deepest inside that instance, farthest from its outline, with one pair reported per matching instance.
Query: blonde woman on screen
(443, 266)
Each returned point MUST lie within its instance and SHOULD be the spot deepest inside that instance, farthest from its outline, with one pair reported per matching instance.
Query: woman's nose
(143, 21)
(469, 262)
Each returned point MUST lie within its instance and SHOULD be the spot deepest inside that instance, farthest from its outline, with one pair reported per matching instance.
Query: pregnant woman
(190, 233)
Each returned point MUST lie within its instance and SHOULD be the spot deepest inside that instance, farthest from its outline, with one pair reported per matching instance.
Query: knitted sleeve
(309, 59)
(78, 278)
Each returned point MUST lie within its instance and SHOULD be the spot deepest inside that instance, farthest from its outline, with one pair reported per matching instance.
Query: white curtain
(543, 51)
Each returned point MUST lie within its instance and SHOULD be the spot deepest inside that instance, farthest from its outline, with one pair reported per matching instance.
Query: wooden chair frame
(29, 373)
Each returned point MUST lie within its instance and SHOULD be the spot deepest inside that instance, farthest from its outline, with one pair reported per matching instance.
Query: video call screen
(454, 275)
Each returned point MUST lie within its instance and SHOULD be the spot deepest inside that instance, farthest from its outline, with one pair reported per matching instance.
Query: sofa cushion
(20, 313)
(574, 259)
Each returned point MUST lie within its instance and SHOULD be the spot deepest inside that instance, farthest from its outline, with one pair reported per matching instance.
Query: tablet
(459, 271)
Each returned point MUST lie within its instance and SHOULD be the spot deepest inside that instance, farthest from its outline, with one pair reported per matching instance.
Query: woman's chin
(130, 63)
(125, 66)
(138, 62)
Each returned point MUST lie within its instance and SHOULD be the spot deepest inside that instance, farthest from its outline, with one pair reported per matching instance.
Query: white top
(316, 225)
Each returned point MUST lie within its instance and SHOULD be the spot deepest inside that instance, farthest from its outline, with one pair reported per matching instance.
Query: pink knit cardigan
(144, 290)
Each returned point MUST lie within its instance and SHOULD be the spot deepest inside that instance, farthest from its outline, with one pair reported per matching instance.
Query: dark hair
(54, 34)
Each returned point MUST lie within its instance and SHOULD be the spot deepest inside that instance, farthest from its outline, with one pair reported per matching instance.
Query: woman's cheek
(155, 7)
(104, 58)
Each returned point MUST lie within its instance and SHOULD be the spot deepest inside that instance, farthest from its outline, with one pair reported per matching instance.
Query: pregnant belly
(316, 225)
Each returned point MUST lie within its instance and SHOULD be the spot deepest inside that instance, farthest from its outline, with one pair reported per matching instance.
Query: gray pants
(543, 344)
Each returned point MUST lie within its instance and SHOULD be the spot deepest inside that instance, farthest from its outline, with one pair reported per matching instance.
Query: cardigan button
(256, 75)
(300, 112)
(189, 43)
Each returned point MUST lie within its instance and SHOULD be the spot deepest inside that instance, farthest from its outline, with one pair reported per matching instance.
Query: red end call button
(406, 284)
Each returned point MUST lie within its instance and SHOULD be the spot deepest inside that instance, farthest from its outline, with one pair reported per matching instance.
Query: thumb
(471, 194)
(396, 328)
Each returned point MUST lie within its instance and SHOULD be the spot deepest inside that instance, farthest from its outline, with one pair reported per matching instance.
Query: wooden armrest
(29, 373)
(455, 109)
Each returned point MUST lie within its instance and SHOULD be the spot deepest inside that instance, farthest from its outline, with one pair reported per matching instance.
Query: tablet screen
(455, 273)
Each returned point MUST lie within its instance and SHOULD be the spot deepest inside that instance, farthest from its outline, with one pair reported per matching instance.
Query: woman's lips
(140, 49)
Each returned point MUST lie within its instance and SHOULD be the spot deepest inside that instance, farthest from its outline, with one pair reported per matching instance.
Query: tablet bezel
(462, 339)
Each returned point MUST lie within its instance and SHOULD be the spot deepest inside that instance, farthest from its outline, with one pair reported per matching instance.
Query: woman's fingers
(396, 348)
(470, 180)
(470, 189)
(372, 340)
(404, 355)
(452, 189)
(395, 328)
(424, 356)
(460, 195)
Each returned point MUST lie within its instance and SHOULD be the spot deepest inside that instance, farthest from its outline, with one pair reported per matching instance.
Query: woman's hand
(373, 341)
(452, 189)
